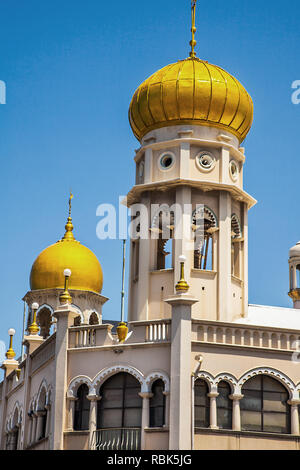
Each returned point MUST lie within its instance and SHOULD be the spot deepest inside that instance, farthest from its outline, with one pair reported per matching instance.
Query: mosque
(195, 366)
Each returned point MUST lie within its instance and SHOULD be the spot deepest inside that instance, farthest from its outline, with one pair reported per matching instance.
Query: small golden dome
(191, 91)
(48, 269)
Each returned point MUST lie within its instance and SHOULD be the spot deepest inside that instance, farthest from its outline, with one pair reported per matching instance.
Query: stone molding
(95, 383)
(237, 384)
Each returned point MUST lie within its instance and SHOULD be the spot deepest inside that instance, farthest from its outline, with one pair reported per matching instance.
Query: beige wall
(210, 440)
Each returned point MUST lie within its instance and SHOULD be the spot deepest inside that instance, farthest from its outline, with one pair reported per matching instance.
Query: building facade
(196, 367)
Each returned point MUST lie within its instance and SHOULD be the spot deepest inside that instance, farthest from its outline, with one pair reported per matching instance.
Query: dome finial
(193, 30)
(69, 226)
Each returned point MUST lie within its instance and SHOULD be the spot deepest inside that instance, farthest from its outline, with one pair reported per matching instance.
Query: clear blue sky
(71, 68)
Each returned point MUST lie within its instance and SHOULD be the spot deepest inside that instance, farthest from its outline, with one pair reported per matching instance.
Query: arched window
(264, 406)
(157, 404)
(82, 409)
(120, 405)
(93, 320)
(203, 224)
(13, 436)
(44, 320)
(77, 321)
(224, 406)
(201, 404)
(42, 415)
(163, 228)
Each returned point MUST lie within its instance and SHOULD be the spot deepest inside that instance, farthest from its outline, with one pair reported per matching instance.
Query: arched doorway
(119, 414)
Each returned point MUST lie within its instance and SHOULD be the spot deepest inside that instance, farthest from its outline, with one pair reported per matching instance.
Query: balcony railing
(117, 439)
(158, 331)
(91, 336)
(238, 335)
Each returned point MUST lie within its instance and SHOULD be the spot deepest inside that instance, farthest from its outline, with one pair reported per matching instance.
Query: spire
(193, 30)
(122, 329)
(69, 226)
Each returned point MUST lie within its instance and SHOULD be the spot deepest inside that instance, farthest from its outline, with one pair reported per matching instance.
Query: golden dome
(191, 91)
(47, 270)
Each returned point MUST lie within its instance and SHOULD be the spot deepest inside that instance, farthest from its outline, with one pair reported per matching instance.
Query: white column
(39, 427)
(236, 412)
(244, 272)
(294, 404)
(294, 271)
(34, 428)
(71, 414)
(184, 160)
(148, 166)
(93, 416)
(19, 427)
(30, 425)
(167, 408)
(224, 167)
(48, 408)
(141, 301)
(180, 434)
(213, 410)
(65, 315)
(224, 258)
(182, 233)
(145, 415)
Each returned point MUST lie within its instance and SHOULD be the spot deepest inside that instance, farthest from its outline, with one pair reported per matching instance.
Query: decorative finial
(10, 354)
(69, 226)
(182, 286)
(65, 297)
(193, 30)
(70, 203)
(34, 329)
(122, 328)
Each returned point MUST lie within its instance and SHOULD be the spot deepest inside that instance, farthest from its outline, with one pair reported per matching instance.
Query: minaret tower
(294, 264)
(190, 118)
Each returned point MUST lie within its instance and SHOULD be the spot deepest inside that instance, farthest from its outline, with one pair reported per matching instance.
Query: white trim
(230, 379)
(155, 375)
(274, 373)
(208, 378)
(43, 386)
(163, 208)
(166, 153)
(107, 372)
(90, 312)
(75, 384)
(41, 307)
(198, 164)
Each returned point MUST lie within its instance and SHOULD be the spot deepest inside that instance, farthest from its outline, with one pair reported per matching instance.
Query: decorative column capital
(294, 402)
(236, 397)
(93, 397)
(72, 398)
(213, 395)
(146, 395)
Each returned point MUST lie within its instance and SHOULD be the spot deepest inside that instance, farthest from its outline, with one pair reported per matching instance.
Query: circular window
(166, 161)
(205, 161)
(233, 170)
